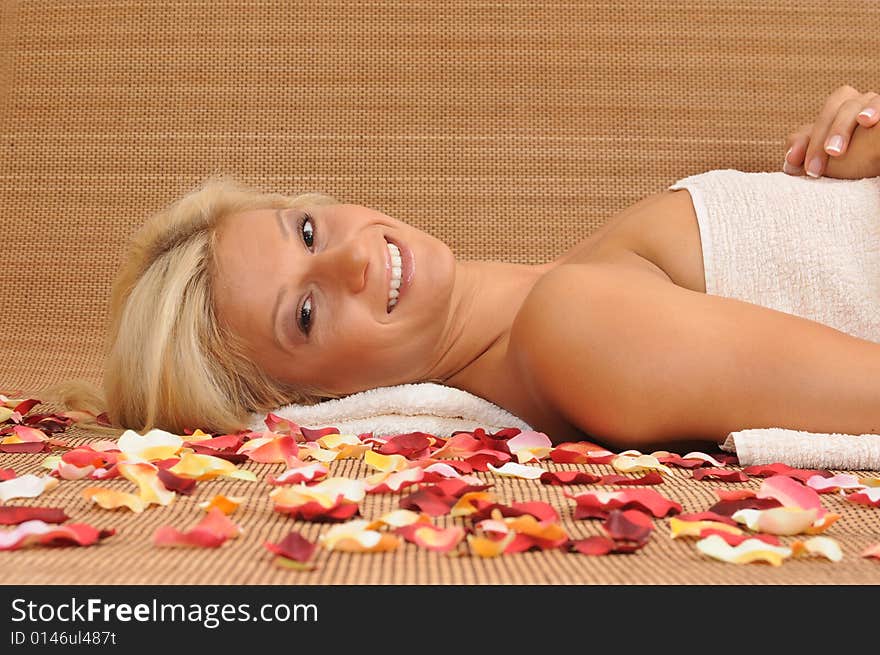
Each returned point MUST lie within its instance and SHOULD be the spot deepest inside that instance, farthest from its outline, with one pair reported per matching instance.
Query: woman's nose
(345, 264)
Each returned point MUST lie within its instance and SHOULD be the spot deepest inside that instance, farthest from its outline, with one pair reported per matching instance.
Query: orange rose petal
(227, 505)
(485, 547)
(113, 499)
(432, 537)
(146, 477)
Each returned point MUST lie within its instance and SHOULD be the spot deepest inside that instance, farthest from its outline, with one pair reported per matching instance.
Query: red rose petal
(651, 477)
(314, 435)
(537, 508)
(15, 515)
(430, 499)
(480, 460)
(172, 482)
(734, 494)
(413, 445)
(6, 474)
(678, 460)
(593, 505)
(708, 516)
(713, 473)
(593, 545)
(628, 525)
(737, 539)
(568, 477)
(294, 546)
(315, 511)
(25, 447)
(456, 487)
(768, 470)
(729, 507)
(580, 452)
(39, 532)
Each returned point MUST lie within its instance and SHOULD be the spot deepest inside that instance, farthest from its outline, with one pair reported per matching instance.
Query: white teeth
(396, 270)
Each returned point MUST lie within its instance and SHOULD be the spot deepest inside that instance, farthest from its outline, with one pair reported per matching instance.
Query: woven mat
(130, 558)
(509, 130)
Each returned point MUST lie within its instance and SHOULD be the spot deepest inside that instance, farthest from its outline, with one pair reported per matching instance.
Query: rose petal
(354, 537)
(631, 464)
(155, 444)
(485, 547)
(868, 496)
(6, 474)
(872, 551)
(146, 477)
(707, 516)
(823, 546)
(210, 532)
(26, 486)
(597, 545)
(720, 474)
(785, 520)
(729, 507)
(113, 499)
(791, 493)
(568, 477)
(171, 482)
(15, 515)
(393, 481)
(598, 504)
(385, 463)
(580, 452)
(682, 528)
(432, 537)
(651, 477)
(294, 547)
(299, 473)
(629, 525)
(768, 470)
(398, 518)
(824, 485)
(41, 533)
(271, 449)
(430, 500)
(514, 470)
(734, 494)
(413, 445)
(221, 502)
(750, 550)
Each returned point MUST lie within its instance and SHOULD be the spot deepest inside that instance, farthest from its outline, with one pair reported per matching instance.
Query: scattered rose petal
(581, 452)
(26, 486)
(823, 546)
(413, 445)
(598, 504)
(868, 496)
(155, 444)
(529, 445)
(736, 539)
(298, 473)
(6, 474)
(651, 477)
(114, 499)
(734, 494)
(707, 516)
(538, 508)
(210, 532)
(824, 485)
(431, 500)
(750, 550)
(486, 547)
(398, 518)
(271, 449)
(457, 487)
(791, 493)
(725, 475)
(466, 505)
(785, 520)
(432, 537)
(171, 482)
(514, 470)
(225, 504)
(355, 537)
(385, 463)
(629, 525)
(768, 470)
(393, 481)
(682, 528)
(729, 507)
(481, 460)
(568, 477)
(14, 515)
(595, 546)
(41, 533)
(206, 467)
(146, 476)
(293, 547)
(632, 464)
(531, 533)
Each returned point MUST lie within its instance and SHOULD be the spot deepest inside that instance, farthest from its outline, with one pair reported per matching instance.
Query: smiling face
(307, 290)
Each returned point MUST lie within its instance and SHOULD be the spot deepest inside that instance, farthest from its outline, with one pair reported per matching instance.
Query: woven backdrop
(509, 130)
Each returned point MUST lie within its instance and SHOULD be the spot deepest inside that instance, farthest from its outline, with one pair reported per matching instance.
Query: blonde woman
(232, 301)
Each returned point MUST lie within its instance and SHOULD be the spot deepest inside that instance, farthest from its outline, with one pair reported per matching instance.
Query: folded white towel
(420, 407)
(809, 450)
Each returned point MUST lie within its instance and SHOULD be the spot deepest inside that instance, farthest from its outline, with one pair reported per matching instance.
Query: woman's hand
(843, 142)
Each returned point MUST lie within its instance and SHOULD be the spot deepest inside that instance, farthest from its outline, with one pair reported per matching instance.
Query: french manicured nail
(788, 153)
(788, 168)
(868, 113)
(814, 167)
(835, 144)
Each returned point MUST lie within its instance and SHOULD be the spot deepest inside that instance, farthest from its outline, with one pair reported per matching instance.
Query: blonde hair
(169, 363)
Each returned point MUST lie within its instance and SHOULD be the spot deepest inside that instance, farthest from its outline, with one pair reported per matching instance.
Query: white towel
(808, 247)
(420, 407)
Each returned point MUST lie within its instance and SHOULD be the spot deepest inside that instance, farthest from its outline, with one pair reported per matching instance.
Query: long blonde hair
(168, 363)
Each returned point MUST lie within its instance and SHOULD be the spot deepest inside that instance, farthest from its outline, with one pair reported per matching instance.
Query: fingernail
(868, 113)
(788, 153)
(835, 144)
(814, 167)
(788, 168)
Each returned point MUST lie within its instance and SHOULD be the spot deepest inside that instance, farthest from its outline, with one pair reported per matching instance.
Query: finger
(865, 117)
(796, 147)
(842, 127)
(815, 157)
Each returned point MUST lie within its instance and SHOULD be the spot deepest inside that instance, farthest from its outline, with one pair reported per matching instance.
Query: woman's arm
(642, 363)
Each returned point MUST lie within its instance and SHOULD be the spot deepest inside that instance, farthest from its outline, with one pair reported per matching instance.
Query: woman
(233, 301)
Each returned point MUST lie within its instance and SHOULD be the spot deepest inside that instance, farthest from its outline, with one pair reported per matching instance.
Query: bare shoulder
(585, 344)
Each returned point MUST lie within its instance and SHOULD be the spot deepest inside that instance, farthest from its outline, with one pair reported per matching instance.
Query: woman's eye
(308, 235)
(305, 316)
